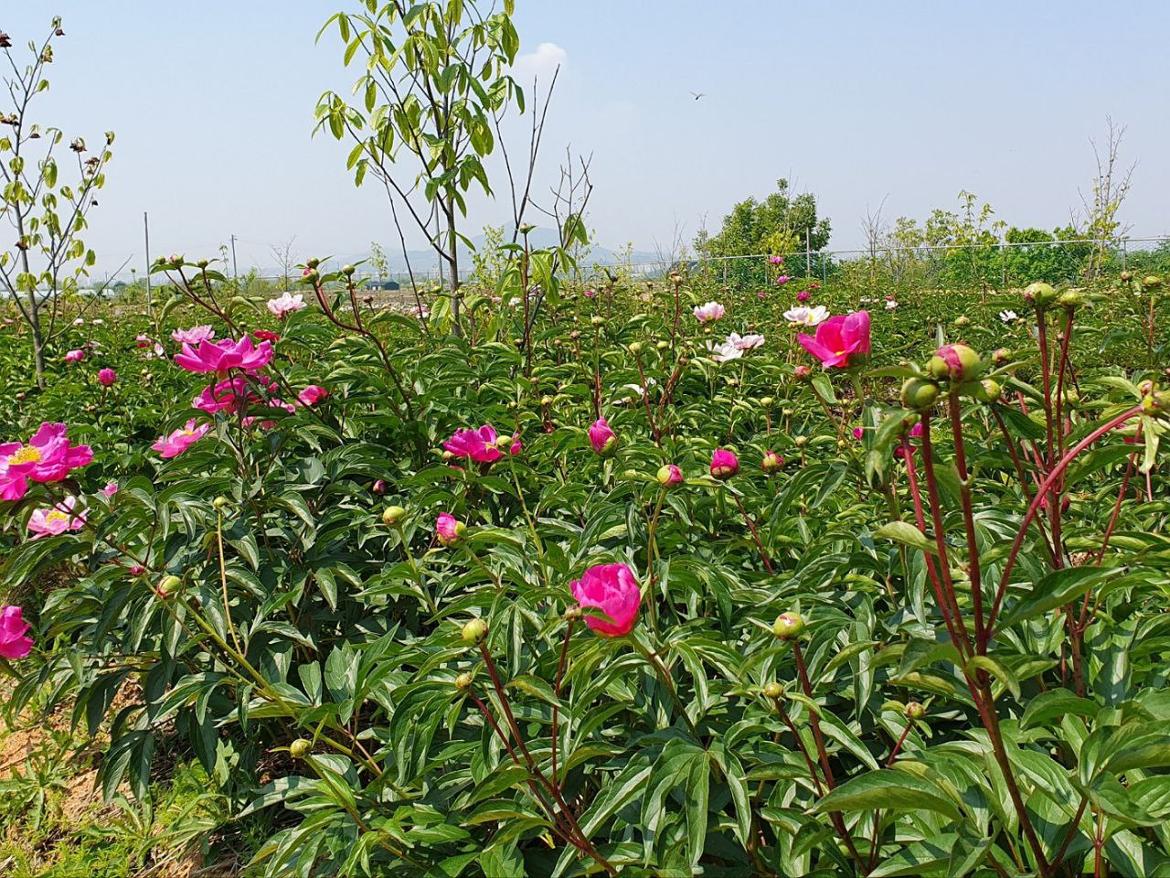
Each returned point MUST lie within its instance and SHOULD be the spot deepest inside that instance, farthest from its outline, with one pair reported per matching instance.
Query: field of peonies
(688, 580)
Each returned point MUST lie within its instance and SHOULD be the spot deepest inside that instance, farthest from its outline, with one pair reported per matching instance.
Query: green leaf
(888, 789)
(1055, 590)
(906, 533)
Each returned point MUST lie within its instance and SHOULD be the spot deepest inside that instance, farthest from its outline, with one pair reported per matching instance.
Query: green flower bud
(546, 401)
(988, 390)
(956, 362)
(635, 348)
(596, 320)
(1040, 294)
(800, 441)
(1071, 299)
(773, 690)
(915, 710)
(788, 626)
(474, 631)
(168, 586)
(1151, 281)
(300, 748)
(962, 320)
(463, 681)
(919, 394)
(767, 402)
(220, 502)
(392, 515)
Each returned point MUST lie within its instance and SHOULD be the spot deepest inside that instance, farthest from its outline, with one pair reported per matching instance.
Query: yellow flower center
(55, 515)
(27, 454)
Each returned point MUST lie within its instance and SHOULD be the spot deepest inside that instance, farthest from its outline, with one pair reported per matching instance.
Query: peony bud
(915, 710)
(463, 681)
(1071, 299)
(988, 390)
(788, 626)
(379, 487)
(724, 463)
(221, 502)
(1040, 294)
(300, 748)
(635, 348)
(474, 631)
(802, 373)
(772, 462)
(954, 361)
(767, 402)
(168, 586)
(393, 515)
(669, 475)
(962, 320)
(773, 690)
(1000, 356)
(1151, 281)
(919, 394)
(800, 441)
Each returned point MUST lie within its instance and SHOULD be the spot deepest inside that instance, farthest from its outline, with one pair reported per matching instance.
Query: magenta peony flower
(221, 356)
(803, 296)
(517, 446)
(612, 589)
(110, 489)
(14, 640)
(194, 335)
(178, 441)
(48, 521)
(312, 395)
(107, 377)
(602, 437)
(858, 432)
(231, 395)
(670, 475)
(776, 260)
(782, 279)
(724, 463)
(75, 356)
(709, 312)
(287, 304)
(839, 340)
(265, 335)
(477, 445)
(448, 529)
(48, 457)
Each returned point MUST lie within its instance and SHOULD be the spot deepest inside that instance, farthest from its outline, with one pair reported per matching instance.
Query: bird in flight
(698, 94)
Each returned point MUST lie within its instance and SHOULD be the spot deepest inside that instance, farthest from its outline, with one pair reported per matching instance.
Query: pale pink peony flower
(110, 489)
(178, 441)
(14, 640)
(48, 457)
(602, 437)
(75, 356)
(286, 304)
(53, 521)
(612, 589)
(839, 340)
(709, 313)
(477, 445)
(194, 335)
(802, 315)
(222, 356)
(782, 280)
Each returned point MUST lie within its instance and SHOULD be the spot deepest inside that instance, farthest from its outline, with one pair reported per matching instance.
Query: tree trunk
(38, 340)
(453, 268)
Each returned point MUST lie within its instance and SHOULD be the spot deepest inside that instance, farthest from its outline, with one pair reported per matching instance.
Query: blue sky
(856, 101)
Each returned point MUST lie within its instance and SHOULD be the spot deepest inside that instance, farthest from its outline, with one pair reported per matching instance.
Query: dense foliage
(385, 649)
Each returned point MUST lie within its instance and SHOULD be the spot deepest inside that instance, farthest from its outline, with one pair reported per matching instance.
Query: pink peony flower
(602, 437)
(232, 395)
(175, 443)
(110, 489)
(590, 293)
(265, 335)
(915, 433)
(142, 341)
(53, 521)
(448, 529)
(858, 432)
(709, 312)
(612, 589)
(477, 445)
(194, 335)
(839, 340)
(761, 295)
(287, 304)
(803, 296)
(48, 457)
(14, 640)
(107, 377)
(517, 446)
(136, 569)
(724, 463)
(222, 356)
(781, 280)
(670, 475)
(745, 342)
(776, 260)
(75, 356)
(312, 395)
(801, 372)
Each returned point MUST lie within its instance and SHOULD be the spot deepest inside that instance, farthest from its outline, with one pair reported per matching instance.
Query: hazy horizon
(900, 106)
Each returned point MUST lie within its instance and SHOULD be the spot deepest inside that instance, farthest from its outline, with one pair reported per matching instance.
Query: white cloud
(540, 64)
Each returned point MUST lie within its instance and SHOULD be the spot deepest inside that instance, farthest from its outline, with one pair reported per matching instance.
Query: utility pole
(146, 234)
(807, 252)
(235, 270)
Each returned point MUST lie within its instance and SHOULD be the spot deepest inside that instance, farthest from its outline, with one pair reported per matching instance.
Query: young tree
(47, 257)
(1110, 187)
(434, 78)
